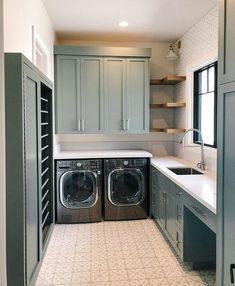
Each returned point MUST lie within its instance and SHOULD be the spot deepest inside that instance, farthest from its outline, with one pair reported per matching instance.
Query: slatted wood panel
(46, 161)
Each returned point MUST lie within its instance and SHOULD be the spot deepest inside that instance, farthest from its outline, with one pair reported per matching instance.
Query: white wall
(19, 16)
(198, 47)
(2, 161)
(158, 144)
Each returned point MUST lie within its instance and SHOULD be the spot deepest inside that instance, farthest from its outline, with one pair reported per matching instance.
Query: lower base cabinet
(189, 226)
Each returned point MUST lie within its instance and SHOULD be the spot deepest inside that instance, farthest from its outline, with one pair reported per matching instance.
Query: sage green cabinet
(188, 225)
(226, 41)
(137, 95)
(79, 94)
(26, 233)
(226, 183)
(163, 204)
(115, 94)
(226, 143)
(102, 94)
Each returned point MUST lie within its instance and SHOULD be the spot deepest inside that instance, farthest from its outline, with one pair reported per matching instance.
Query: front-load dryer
(126, 185)
(78, 195)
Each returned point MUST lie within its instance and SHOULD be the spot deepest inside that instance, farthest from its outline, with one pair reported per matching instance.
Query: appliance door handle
(232, 267)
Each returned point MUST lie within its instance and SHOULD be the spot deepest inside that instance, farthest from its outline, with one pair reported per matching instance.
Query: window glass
(205, 104)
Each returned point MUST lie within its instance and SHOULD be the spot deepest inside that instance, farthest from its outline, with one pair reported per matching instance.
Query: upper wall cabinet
(102, 90)
(226, 41)
(79, 100)
(126, 95)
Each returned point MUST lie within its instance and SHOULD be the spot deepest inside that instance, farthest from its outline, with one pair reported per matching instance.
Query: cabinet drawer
(203, 213)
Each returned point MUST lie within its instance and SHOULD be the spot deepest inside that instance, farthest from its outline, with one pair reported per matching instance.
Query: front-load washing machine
(78, 195)
(126, 185)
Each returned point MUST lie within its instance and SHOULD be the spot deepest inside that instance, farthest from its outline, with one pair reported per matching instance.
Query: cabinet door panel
(31, 174)
(115, 94)
(137, 95)
(226, 181)
(92, 94)
(227, 41)
(170, 215)
(68, 94)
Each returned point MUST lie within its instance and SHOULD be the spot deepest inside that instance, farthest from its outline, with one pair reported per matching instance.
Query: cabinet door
(226, 183)
(153, 193)
(137, 95)
(31, 172)
(92, 118)
(227, 41)
(68, 101)
(115, 94)
(170, 215)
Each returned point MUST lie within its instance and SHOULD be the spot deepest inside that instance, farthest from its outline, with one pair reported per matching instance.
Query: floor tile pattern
(123, 253)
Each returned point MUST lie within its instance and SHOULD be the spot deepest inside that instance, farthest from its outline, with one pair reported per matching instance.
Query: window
(205, 104)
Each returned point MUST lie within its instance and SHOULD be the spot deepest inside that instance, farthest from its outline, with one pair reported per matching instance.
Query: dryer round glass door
(126, 187)
(78, 189)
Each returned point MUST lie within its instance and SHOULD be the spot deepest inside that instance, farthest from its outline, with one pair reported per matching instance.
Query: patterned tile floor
(115, 253)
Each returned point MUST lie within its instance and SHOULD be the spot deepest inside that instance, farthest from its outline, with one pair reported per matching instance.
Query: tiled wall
(198, 47)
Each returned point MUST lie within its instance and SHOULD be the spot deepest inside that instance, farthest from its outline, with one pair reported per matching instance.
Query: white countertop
(200, 187)
(91, 154)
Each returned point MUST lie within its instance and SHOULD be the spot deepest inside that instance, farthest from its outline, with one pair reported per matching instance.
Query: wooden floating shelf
(168, 105)
(168, 130)
(168, 80)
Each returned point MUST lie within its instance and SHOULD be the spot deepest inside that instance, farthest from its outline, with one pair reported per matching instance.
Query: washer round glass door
(78, 189)
(126, 187)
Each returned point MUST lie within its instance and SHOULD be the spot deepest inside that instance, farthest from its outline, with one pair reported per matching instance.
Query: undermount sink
(185, 171)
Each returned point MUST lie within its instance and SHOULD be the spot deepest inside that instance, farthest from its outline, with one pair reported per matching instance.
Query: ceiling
(149, 20)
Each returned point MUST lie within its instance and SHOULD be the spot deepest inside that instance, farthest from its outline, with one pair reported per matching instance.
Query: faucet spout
(202, 163)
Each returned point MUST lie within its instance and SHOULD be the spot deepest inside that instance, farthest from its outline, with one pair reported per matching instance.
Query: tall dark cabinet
(29, 168)
(226, 146)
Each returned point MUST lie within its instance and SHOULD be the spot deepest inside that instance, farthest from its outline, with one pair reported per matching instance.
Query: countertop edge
(198, 198)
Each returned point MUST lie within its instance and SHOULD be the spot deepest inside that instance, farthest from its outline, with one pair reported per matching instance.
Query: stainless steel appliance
(78, 191)
(126, 188)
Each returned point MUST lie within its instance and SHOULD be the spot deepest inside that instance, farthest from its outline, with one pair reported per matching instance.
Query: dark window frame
(196, 107)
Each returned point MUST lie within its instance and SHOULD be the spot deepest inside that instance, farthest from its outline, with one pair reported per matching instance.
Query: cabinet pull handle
(232, 267)
(79, 125)
(83, 124)
(199, 211)
(127, 124)
(123, 125)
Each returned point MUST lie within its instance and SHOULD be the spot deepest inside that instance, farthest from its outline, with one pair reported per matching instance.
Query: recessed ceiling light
(123, 24)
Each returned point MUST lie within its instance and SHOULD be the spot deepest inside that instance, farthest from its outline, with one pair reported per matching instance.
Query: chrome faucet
(202, 163)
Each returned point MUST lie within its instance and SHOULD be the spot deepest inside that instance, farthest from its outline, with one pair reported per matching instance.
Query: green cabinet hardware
(176, 211)
(26, 118)
(101, 93)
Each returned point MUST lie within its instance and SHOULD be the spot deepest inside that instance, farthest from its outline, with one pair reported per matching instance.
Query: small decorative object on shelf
(168, 130)
(168, 105)
(168, 80)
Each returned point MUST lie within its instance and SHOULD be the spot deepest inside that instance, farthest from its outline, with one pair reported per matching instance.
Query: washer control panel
(92, 165)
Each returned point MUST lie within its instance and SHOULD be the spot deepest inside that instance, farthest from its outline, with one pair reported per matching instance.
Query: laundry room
(116, 142)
